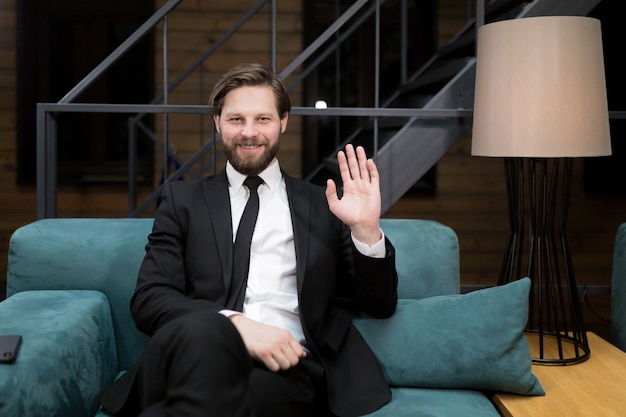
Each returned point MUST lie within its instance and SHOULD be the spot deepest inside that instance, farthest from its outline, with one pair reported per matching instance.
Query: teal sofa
(618, 290)
(69, 283)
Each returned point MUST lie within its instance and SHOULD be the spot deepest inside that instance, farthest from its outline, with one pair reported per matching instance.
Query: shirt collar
(271, 176)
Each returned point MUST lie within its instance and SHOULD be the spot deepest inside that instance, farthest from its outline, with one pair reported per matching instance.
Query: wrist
(367, 235)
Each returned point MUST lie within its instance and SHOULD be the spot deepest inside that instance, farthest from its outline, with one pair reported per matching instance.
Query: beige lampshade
(541, 89)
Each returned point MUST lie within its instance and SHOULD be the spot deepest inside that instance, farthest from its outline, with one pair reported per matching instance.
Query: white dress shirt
(272, 293)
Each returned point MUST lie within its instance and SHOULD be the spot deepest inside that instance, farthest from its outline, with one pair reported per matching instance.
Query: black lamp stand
(538, 191)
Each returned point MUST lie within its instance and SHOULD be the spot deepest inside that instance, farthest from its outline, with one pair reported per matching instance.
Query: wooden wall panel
(453, 15)
(10, 196)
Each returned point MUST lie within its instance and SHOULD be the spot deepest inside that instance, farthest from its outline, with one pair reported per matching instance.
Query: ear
(283, 122)
(216, 121)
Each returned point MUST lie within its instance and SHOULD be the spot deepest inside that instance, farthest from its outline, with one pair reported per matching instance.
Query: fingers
(273, 346)
(354, 164)
(285, 356)
(331, 191)
(372, 171)
(362, 161)
(282, 352)
(344, 170)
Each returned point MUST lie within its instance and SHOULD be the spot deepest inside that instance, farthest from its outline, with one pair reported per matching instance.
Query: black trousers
(197, 365)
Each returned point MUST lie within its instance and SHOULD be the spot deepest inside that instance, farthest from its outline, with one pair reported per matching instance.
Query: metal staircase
(444, 89)
(408, 133)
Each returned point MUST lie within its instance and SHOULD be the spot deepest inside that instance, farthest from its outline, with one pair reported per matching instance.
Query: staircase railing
(46, 112)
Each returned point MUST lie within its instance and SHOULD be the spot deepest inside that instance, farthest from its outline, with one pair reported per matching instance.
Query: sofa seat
(428, 402)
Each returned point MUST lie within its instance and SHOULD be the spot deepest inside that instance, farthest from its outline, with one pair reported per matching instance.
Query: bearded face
(250, 127)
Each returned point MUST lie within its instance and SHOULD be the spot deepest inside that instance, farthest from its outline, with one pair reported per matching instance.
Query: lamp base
(538, 191)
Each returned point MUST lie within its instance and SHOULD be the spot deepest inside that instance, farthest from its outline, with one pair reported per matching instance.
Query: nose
(248, 129)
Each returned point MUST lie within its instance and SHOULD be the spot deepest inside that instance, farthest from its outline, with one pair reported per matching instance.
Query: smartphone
(9, 346)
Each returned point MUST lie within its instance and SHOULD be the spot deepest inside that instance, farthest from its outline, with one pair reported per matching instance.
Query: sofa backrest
(89, 254)
(427, 257)
(105, 255)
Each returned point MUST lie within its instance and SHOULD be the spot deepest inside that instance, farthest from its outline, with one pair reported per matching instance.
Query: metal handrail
(46, 122)
(47, 144)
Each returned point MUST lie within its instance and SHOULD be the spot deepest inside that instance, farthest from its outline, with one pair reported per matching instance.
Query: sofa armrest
(67, 354)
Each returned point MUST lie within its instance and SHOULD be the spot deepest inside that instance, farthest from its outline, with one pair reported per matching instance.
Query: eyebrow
(237, 114)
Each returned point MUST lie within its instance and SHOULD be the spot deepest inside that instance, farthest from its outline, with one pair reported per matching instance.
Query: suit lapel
(218, 203)
(299, 197)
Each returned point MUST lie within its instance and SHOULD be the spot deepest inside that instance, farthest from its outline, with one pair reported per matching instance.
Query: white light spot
(320, 104)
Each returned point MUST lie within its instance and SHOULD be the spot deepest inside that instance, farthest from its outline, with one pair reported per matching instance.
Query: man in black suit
(315, 259)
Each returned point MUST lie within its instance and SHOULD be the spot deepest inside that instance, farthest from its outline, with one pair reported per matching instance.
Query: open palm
(360, 205)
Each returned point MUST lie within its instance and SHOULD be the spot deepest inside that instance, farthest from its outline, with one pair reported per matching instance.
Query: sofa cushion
(463, 341)
(436, 402)
(67, 354)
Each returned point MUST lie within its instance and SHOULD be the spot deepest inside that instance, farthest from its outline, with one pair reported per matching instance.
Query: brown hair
(249, 75)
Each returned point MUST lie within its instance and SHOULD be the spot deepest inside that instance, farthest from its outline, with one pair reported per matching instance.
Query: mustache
(250, 142)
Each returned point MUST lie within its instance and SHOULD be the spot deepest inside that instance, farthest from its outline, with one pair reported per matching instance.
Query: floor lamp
(540, 100)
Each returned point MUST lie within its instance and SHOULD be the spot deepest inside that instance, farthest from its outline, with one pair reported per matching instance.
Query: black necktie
(241, 247)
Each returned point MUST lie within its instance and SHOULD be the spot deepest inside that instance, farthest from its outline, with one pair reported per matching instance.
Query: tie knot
(253, 182)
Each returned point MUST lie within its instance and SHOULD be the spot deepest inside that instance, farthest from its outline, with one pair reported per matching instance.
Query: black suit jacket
(188, 268)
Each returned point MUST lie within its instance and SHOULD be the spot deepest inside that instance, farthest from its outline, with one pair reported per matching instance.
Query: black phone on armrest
(9, 346)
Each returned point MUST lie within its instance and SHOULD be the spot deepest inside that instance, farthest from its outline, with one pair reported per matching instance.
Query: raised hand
(360, 204)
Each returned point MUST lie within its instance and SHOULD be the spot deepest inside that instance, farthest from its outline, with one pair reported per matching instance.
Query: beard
(250, 166)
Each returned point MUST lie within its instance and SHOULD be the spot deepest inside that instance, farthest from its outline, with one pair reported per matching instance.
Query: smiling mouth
(250, 147)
